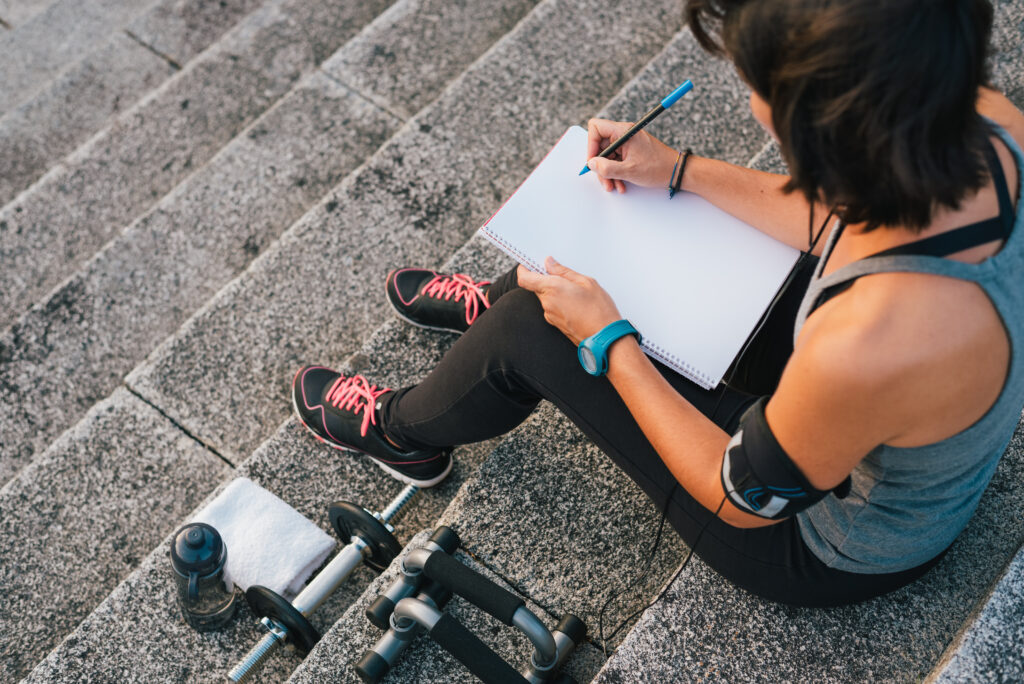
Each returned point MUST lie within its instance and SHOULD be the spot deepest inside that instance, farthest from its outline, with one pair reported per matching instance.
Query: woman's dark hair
(873, 101)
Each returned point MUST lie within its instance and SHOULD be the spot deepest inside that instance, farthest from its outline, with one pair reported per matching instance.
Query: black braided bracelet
(673, 176)
(678, 180)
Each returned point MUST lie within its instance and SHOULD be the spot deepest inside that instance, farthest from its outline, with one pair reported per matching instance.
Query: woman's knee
(516, 332)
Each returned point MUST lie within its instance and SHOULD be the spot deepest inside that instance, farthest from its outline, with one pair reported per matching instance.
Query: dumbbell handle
(338, 570)
(453, 637)
(331, 577)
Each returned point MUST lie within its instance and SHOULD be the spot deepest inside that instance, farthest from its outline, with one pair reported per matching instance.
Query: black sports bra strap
(1006, 212)
(953, 241)
(965, 237)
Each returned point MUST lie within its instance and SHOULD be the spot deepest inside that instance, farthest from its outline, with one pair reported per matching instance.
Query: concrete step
(104, 319)
(37, 50)
(292, 146)
(16, 12)
(1008, 49)
(334, 657)
(78, 206)
(253, 189)
(80, 518)
(988, 648)
(413, 202)
(106, 82)
(137, 633)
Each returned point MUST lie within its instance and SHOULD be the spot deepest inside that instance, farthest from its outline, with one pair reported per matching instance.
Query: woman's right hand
(643, 160)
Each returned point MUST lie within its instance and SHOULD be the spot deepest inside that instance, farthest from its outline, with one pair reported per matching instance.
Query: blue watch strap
(599, 342)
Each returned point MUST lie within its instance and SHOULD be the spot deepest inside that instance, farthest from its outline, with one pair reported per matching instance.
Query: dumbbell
(551, 648)
(371, 540)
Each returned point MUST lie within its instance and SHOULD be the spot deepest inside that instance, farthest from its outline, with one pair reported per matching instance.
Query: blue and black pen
(648, 118)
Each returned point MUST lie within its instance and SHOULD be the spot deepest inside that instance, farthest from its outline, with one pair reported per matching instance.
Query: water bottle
(198, 556)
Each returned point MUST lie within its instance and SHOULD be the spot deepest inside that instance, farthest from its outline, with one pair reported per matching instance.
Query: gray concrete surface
(105, 318)
(105, 82)
(81, 518)
(705, 628)
(16, 12)
(1008, 49)
(38, 133)
(989, 648)
(181, 29)
(404, 59)
(414, 202)
(73, 210)
(553, 515)
(32, 56)
(424, 661)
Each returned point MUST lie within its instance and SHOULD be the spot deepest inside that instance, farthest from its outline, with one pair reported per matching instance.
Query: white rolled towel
(269, 542)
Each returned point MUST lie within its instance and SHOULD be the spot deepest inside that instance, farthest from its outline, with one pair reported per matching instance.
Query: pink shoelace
(460, 286)
(356, 394)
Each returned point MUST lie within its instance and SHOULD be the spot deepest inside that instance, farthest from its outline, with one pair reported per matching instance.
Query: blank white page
(692, 279)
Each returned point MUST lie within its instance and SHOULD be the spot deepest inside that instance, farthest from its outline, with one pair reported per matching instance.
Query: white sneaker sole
(398, 475)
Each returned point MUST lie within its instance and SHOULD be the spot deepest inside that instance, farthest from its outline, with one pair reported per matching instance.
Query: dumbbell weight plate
(267, 603)
(349, 520)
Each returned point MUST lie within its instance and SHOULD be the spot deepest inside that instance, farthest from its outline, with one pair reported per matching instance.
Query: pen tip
(585, 169)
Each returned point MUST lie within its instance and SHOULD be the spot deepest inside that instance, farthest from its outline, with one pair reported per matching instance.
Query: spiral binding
(667, 358)
(512, 251)
(678, 365)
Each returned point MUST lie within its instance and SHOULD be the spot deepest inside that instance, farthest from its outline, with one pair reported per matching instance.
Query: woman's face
(762, 112)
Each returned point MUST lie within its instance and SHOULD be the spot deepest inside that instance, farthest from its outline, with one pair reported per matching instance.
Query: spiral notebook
(691, 278)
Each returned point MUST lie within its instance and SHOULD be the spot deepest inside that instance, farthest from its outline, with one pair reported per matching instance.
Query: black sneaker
(342, 412)
(436, 300)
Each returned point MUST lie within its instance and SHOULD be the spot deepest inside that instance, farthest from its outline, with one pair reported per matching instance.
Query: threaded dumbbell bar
(370, 540)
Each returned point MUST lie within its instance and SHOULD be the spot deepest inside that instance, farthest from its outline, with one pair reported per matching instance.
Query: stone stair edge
(982, 647)
(211, 75)
(326, 228)
(84, 30)
(19, 126)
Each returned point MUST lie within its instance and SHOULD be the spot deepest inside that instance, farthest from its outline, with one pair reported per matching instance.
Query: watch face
(588, 360)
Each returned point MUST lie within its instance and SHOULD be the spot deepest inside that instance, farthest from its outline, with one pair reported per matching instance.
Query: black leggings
(511, 358)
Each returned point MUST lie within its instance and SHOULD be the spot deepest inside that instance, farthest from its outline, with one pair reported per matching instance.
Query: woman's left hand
(573, 303)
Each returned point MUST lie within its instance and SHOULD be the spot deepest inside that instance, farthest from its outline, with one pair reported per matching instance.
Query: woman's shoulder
(930, 349)
(997, 107)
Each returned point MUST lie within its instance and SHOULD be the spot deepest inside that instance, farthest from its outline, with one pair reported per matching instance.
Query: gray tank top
(906, 505)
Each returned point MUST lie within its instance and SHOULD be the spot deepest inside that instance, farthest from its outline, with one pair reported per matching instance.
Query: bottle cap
(197, 548)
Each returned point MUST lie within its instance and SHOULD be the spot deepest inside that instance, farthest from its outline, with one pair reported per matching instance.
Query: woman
(901, 391)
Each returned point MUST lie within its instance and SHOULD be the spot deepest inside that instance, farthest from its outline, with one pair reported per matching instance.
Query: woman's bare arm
(755, 197)
(752, 196)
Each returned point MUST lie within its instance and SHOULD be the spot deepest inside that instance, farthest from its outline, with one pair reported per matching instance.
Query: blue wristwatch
(593, 351)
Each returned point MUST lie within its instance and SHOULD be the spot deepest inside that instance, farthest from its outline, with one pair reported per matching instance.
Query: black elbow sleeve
(760, 478)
